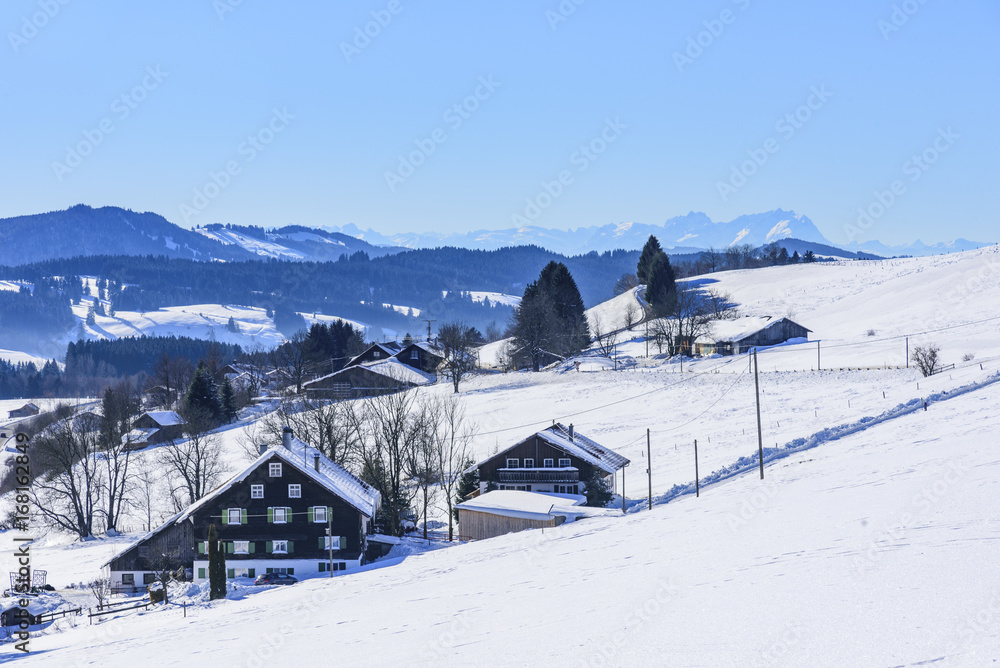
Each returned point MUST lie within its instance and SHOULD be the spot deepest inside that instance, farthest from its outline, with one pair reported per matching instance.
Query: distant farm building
(155, 427)
(501, 512)
(367, 380)
(732, 337)
(27, 410)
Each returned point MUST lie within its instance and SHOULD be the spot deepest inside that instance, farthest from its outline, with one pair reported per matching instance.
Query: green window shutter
(270, 549)
(322, 543)
(201, 547)
(230, 572)
(201, 573)
(225, 516)
(321, 567)
(310, 514)
(343, 542)
(270, 517)
(289, 547)
(288, 515)
(291, 571)
(329, 512)
(252, 572)
(243, 515)
(253, 547)
(229, 548)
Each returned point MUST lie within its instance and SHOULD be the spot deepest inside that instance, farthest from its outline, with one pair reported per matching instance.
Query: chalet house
(27, 410)
(367, 380)
(273, 516)
(732, 337)
(421, 356)
(154, 427)
(501, 512)
(377, 352)
(556, 460)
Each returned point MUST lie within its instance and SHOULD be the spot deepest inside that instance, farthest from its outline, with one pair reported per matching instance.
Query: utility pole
(429, 328)
(697, 483)
(907, 352)
(760, 433)
(649, 469)
(623, 489)
(819, 364)
(647, 339)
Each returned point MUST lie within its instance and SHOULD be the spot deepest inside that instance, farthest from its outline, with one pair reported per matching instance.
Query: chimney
(263, 448)
(316, 462)
(571, 431)
(286, 437)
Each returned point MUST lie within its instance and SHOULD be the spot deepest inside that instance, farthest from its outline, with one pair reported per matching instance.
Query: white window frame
(316, 512)
(376, 354)
(256, 491)
(414, 354)
(241, 572)
(295, 491)
(527, 465)
(274, 470)
(239, 515)
(274, 547)
(549, 463)
(516, 461)
(238, 544)
(284, 515)
(565, 462)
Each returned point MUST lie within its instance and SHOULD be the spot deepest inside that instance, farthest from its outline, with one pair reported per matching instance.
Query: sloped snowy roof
(165, 418)
(731, 331)
(391, 368)
(527, 505)
(584, 448)
(427, 347)
(332, 476)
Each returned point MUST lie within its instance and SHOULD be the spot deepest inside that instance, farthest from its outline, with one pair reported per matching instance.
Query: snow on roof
(584, 448)
(169, 521)
(427, 347)
(527, 505)
(731, 331)
(391, 368)
(332, 476)
(165, 418)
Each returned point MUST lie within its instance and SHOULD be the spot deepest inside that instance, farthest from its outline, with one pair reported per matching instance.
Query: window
(257, 491)
(322, 567)
(339, 542)
(128, 578)
(295, 491)
(274, 470)
(529, 463)
(280, 515)
(376, 354)
(512, 463)
(414, 354)
(241, 547)
(201, 573)
(280, 547)
(235, 516)
(148, 578)
(241, 572)
(548, 463)
(564, 463)
(319, 514)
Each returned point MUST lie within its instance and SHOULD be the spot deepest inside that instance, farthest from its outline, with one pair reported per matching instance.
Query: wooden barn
(155, 427)
(421, 356)
(367, 380)
(273, 516)
(556, 460)
(27, 410)
(732, 337)
(501, 512)
(377, 352)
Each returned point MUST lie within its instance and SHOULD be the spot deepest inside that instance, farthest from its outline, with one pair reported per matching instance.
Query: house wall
(531, 447)
(144, 556)
(779, 332)
(475, 525)
(355, 383)
(300, 568)
(425, 361)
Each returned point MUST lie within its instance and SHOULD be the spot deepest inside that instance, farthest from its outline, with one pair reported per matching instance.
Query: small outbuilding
(155, 427)
(27, 410)
(732, 337)
(367, 380)
(503, 511)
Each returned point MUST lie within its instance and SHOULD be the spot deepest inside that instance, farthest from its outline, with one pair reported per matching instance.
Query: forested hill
(82, 230)
(416, 279)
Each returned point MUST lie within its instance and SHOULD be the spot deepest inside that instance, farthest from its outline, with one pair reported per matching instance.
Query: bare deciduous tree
(605, 340)
(631, 315)
(67, 494)
(926, 358)
(101, 589)
(451, 450)
(121, 405)
(457, 340)
(193, 464)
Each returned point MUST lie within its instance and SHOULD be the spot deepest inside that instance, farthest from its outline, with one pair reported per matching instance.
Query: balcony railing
(540, 475)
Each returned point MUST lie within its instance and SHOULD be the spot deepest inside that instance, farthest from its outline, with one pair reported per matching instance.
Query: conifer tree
(202, 397)
(598, 491)
(649, 252)
(216, 566)
(227, 401)
(661, 291)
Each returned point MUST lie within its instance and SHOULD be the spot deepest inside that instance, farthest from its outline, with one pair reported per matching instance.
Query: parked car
(275, 579)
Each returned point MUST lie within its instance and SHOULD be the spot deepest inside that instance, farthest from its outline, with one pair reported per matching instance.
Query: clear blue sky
(559, 82)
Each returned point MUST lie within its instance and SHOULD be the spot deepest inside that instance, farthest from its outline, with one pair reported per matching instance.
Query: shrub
(926, 358)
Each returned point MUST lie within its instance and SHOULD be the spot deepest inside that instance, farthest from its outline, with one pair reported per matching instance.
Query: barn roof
(527, 505)
(733, 331)
(392, 369)
(579, 446)
(165, 418)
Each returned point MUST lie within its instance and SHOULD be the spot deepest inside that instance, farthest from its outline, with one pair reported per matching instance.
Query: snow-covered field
(872, 540)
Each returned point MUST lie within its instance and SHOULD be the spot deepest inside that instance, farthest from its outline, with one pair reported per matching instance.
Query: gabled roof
(733, 331)
(427, 348)
(579, 446)
(392, 369)
(527, 505)
(165, 418)
(390, 348)
(331, 476)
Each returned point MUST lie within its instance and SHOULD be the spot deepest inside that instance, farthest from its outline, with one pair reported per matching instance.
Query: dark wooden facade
(354, 382)
(537, 476)
(172, 545)
(774, 333)
(418, 357)
(376, 352)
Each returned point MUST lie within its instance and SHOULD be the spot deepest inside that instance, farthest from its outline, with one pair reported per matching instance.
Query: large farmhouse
(273, 516)
(557, 460)
(732, 337)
